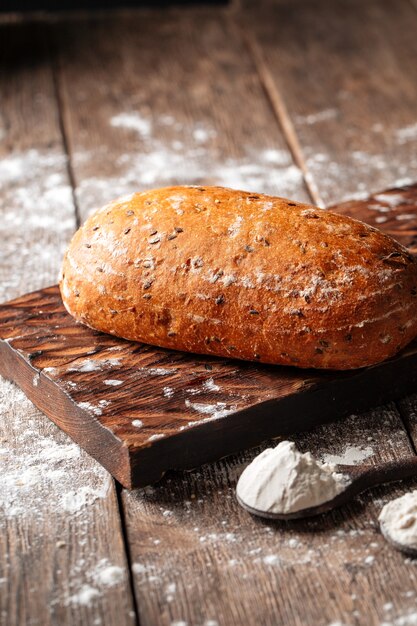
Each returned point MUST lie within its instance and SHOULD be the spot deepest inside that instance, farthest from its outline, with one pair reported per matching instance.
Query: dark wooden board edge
(52, 400)
(298, 412)
(319, 402)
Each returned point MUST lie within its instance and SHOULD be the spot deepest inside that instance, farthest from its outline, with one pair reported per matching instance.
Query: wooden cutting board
(141, 410)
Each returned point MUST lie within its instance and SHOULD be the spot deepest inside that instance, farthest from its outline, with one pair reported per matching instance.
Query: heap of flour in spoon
(283, 480)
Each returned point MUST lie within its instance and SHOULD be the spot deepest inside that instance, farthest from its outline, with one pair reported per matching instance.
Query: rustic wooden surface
(141, 410)
(333, 569)
(62, 558)
(342, 77)
(355, 57)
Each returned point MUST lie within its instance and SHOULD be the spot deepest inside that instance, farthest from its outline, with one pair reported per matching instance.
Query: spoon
(362, 477)
(402, 547)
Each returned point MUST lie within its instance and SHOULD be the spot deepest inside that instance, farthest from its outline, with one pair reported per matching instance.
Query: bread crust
(217, 271)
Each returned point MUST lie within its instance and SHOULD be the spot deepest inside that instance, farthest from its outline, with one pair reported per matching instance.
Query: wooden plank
(200, 559)
(178, 101)
(343, 79)
(62, 555)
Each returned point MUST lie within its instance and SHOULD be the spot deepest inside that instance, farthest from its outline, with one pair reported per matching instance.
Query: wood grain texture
(393, 211)
(141, 410)
(342, 77)
(62, 555)
(333, 569)
(168, 109)
(408, 408)
(327, 575)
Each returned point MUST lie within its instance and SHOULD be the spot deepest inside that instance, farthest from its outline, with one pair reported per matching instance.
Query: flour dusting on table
(350, 456)
(34, 464)
(98, 577)
(160, 161)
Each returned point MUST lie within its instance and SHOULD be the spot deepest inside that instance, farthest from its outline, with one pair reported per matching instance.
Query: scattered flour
(100, 577)
(108, 575)
(34, 190)
(74, 500)
(351, 455)
(408, 133)
(215, 411)
(321, 116)
(160, 162)
(156, 437)
(388, 169)
(36, 179)
(210, 385)
(168, 392)
(84, 596)
(137, 423)
(392, 199)
(409, 619)
(271, 559)
(398, 520)
(34, 464)
(283, 480)
(138, 568)
(160, 371)
(94, 365)
(132, 121)
(92, 408)
(112, 382)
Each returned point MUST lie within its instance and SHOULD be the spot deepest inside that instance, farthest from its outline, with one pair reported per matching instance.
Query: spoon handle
(373, 475)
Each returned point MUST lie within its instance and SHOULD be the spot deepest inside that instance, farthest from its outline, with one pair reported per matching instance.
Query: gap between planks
(280, 111)
(128, 553)
(406, 423)
(63, 128)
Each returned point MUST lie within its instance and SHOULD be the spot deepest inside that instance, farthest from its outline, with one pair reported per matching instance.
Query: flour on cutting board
(34, 464)
(214, 411)
(94, 365)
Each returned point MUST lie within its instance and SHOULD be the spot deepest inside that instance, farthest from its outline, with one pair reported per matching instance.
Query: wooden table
(313, 100)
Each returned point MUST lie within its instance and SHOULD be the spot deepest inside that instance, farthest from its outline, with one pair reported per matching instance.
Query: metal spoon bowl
(362, 477)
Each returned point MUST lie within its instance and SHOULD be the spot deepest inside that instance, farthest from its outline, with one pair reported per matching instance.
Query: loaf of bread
(242, 275)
